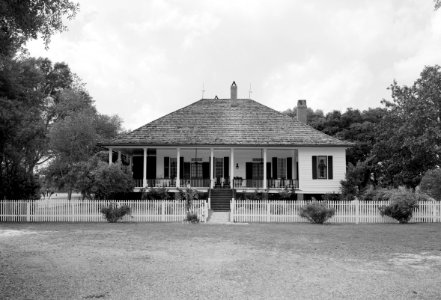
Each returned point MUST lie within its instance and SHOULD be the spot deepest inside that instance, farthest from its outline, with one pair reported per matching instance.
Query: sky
(142, 59)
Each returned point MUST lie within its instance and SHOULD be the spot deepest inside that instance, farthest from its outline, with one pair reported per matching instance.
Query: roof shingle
(222, 122)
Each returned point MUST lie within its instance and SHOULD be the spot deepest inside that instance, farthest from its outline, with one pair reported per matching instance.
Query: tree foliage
(408, 138)
(431, 184)
(22, 20)
(111, 179)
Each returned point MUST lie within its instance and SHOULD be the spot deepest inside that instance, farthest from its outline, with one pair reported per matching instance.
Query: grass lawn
(257, 261)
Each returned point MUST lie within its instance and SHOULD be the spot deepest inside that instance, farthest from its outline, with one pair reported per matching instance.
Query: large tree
(408, 139)
(21, 20)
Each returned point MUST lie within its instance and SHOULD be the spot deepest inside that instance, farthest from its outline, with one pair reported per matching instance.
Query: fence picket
(63, 210)
(357, 211)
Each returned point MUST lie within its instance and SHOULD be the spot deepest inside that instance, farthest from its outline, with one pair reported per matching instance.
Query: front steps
(219, 217)
(220, 199)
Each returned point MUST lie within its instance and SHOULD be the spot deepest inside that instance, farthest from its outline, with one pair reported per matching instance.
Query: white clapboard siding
(63, 210)
(345, 211)
(321, 186)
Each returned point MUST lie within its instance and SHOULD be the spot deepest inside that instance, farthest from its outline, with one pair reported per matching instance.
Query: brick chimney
(233, 91)
(302, 111)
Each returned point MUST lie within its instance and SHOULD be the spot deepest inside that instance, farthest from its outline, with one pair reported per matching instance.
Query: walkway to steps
(220, 199)
(218, 217)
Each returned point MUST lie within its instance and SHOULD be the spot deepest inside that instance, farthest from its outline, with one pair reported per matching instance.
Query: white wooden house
(233, 143)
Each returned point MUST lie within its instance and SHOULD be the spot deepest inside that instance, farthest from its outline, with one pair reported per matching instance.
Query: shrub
(331, 197)
(403, 202)
(380, 194)
(113, 212)
(316, 212)
(156, 194)
(356, 180)
(286, 194)
(109, 179)
(431, 183)
(192, 217)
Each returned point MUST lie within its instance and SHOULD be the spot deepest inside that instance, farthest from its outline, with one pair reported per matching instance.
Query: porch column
(178, 167)
(232, 168)
(110, 156)
(144, 169)
(119, 158)
(294, 165)
(211, 167)
(264, 169)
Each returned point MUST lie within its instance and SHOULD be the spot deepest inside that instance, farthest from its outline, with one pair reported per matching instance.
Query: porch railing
(171, 183)
(271, 183)
(201, 182)
(247, 183)
(282, 183)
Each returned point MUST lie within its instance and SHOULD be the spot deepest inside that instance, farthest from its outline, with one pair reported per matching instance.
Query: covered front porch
(242, 169)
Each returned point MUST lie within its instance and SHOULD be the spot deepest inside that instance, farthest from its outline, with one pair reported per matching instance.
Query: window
(219, 170)
(196, 170)
(281, 167)
(173, 167)
(322, 167)
(257, 171)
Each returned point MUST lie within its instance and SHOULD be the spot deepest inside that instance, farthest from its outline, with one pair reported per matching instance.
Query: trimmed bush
(113, 212)
(192, 217)
(316, 212)
(403, 202)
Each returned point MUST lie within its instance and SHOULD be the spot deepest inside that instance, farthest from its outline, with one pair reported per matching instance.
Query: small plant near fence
(316, 213)
(402, 204)
(192, 217)
(114, 212)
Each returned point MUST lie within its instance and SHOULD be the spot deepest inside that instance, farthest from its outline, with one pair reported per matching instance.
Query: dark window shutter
(248, 170)
(314, 167)
(330, 167)
(151, 167)
(289, 167)
(226, 167)
(206, 170)
(181, 167)
(166, 167)
(274, 167)
(268, 170)
(297, 170)
(187, 170)
(138, 169)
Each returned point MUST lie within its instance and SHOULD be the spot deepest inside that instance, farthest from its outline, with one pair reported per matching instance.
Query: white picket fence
(63, 210)
(345, 211)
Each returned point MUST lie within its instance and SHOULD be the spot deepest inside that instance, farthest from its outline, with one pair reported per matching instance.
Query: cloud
(147, 58)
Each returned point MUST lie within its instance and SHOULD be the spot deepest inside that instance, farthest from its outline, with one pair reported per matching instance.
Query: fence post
(433, 212)
(209, 202)
(162, 211)
(232, 210)
(268, 217)
(28, 211)
(357, 210)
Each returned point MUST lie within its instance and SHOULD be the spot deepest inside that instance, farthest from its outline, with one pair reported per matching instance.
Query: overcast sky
(142, 59)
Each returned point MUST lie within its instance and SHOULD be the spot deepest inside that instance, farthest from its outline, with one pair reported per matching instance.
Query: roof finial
(250, 92)
(203, 89)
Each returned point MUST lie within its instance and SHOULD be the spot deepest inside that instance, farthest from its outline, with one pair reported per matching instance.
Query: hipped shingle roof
(226, 122)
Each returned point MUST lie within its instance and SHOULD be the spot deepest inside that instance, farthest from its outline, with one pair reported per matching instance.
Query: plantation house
(233, 144)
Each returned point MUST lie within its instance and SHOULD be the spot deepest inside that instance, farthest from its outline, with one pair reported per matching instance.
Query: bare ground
(258, 261)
